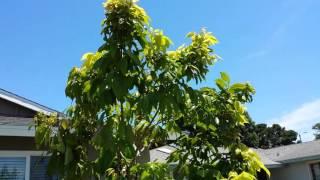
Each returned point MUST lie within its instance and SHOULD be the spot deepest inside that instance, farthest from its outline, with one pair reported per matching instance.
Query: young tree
(133, 91)
(316, 127)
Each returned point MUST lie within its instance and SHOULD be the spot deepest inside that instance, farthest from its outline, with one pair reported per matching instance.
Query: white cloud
(301, 119)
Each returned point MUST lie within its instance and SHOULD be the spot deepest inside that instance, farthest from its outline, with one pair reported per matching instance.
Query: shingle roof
(269, 163)
(295, 152)
(272, 158)
(9, 96)
(159, 154)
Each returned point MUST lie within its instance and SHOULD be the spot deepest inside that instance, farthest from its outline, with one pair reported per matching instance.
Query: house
(291, 162)
(19, 158)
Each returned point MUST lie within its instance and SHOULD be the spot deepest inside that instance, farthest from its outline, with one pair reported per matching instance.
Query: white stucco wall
(297, 171)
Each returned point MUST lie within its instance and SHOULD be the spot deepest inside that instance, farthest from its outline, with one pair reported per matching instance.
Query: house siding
(8, 108)
(296, 171)
(17, 143)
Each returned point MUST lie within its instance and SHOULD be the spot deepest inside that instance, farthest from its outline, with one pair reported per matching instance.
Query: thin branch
(155, 115)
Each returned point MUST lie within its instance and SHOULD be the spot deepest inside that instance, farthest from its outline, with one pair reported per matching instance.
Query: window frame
(25, 154)
(310, 168)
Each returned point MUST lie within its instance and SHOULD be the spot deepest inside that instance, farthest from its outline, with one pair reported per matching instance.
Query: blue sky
(272, 43)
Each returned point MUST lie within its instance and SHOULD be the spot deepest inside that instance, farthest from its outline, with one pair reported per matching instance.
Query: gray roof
(295, 152)
(9, 96)
(159, 155)
(269, 163)
(272, 158)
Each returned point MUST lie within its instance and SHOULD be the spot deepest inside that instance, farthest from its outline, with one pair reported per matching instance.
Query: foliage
(212, 146)
(132, 92)
(151, 170)
(262, 136)
(249, 135)
(316, 127)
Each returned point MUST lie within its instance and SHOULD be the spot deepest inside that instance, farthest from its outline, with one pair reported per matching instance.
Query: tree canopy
(316, 127)
(132, 92)
(262, 136)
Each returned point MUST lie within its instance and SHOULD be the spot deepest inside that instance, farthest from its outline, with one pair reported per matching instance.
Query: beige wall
(297, 171)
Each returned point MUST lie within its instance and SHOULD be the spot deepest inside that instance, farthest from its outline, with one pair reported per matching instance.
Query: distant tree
(275, 135)
(262, 132)
(288, 137)
(249, 136)
(262, 136)
(316, 127)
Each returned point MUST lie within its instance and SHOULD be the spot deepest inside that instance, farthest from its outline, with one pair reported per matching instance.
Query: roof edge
(301, 159)
(24, 102)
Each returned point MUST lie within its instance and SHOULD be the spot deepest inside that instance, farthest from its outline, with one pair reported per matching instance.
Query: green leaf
(145, 175)
(220, 83)
(120, 85)
(64, 124)
(202, 126)
(104, 137)
(238, 87)
(87, 86)
(104, 160)
(244, 176)
(55, 165)
(225, 77)
(239, 107)
(68, 158)
(124, 66)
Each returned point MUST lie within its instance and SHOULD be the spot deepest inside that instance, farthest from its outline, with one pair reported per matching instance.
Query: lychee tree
(132, 92)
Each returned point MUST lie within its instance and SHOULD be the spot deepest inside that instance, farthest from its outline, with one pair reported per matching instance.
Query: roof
(20, 126)
(272, 158)
(295, 152)
(14, 98)
(269, 163)
(160, 154)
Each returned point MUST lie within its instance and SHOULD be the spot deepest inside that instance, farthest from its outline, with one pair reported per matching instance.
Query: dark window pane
(38, 168)
(315, 170)
(12, 168)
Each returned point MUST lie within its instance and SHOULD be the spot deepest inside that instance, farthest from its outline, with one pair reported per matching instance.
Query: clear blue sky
(274, 44)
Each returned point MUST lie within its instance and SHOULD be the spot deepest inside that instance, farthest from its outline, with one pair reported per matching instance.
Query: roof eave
(301, 159)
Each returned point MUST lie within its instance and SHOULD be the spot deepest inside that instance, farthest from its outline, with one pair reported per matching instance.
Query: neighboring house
(291, 162)
(19, 158)
(294, 162)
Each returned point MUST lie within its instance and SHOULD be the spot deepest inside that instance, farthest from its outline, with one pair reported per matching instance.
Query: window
(12, 168)
(24, 165)
(38, 168)
(315, 170)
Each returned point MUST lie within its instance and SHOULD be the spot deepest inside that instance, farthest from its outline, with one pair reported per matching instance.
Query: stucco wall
(297, 171)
